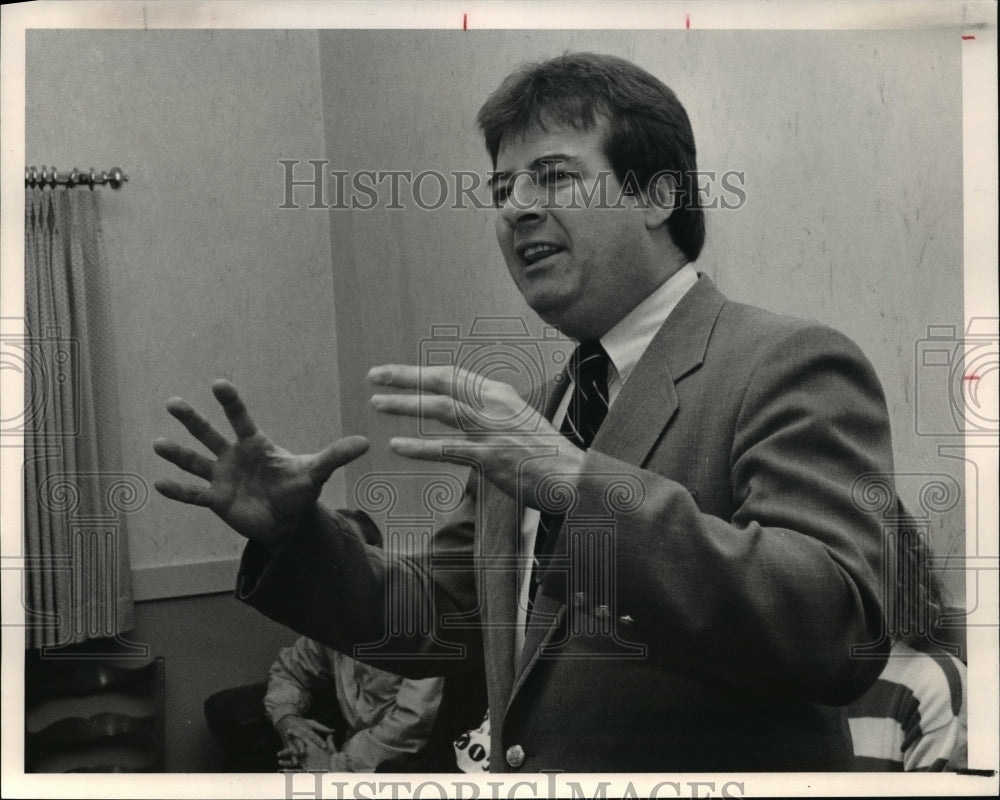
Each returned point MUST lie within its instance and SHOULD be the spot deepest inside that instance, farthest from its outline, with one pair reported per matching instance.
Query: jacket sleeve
(772, 598)
(325, 583)
(399, 735)
(297, 674)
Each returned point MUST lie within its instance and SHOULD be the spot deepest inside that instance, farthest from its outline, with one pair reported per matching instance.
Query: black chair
(242, 729)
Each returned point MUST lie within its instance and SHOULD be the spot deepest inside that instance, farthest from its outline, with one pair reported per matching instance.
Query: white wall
(210, 278)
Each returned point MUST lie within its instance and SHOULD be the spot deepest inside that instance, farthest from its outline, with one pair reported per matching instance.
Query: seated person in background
(384, 720)
(332, 714)
(914, 717)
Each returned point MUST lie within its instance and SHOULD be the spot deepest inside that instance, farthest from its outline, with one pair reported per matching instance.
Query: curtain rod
(49, 177)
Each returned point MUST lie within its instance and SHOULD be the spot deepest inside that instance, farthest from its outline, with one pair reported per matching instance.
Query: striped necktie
(588, 406)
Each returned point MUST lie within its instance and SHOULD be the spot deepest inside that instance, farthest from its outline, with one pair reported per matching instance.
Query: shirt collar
(627, 341)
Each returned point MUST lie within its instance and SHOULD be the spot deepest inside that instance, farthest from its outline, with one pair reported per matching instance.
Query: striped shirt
(914, 717)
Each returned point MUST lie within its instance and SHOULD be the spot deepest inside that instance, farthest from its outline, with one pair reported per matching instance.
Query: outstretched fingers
(445, 380)
(236, 411)
(185, 458)
(454, 451)
(199, 427)
(185, 493)
(343, 451)
(426, 406)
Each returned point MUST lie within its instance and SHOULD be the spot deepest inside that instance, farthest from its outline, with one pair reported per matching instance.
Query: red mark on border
(968, 38)
(687, 21)
(465, 22)
(971, 377)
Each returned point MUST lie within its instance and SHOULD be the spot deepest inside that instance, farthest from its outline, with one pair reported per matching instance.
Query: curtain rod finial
(116, 177)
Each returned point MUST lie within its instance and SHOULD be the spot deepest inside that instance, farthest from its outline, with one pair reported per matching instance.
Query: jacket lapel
(546, 618)
(635, 422)
(498, 590)
(648, 401)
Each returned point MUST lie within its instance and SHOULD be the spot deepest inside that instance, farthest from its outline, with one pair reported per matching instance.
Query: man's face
(581, 256)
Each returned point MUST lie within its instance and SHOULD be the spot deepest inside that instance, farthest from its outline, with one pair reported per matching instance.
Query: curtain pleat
(78, 583)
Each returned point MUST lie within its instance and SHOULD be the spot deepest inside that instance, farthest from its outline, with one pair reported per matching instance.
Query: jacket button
(626, 621)
(602, 612)
(515, 755)
(579, 599)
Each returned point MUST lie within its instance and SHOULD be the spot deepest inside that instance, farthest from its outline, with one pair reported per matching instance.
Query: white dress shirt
(624, 343)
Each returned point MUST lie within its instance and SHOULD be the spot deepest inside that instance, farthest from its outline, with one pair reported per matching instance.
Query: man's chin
(550, 307)
(563, 316)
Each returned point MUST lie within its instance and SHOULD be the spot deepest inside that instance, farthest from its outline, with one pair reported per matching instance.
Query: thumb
(343, 451)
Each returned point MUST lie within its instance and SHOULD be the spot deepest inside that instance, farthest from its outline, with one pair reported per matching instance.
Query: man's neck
(598, 332)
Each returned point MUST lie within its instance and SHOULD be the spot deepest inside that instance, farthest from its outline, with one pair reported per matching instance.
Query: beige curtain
(78, 581)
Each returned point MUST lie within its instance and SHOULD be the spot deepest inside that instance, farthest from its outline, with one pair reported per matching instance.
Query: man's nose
(523, 202)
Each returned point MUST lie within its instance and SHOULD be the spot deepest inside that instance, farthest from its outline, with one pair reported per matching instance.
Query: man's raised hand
(260, 490)
(516, 447)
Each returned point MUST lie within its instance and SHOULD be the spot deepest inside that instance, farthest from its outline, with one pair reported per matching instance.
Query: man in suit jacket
(705, 564)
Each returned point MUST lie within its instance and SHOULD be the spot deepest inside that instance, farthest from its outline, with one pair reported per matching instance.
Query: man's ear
(661, 197)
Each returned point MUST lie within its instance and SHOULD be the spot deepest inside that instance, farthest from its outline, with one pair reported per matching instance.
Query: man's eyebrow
(499, 176)
(556, 158)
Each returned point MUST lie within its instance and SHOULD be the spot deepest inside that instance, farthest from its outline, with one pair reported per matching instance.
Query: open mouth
(534, 253)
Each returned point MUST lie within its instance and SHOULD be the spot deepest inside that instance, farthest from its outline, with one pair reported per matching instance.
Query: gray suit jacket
(715, 573)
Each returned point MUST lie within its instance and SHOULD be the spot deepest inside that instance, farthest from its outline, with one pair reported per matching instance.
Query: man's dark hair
(648, 128)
